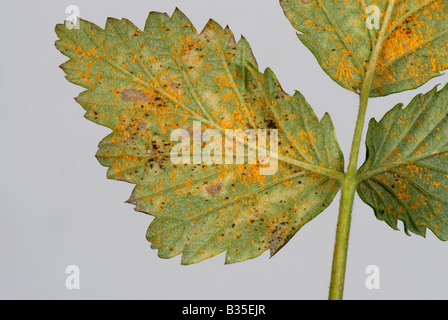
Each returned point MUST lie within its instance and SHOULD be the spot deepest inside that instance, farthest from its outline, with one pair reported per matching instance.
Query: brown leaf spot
(278, 239)
(134, 95)
(214, 189)
(207, 34)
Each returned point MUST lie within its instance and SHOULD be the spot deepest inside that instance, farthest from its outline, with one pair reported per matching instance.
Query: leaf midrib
(371, 173)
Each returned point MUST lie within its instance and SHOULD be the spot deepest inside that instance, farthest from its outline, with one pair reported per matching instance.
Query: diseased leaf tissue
(143, 84)
(414, 50)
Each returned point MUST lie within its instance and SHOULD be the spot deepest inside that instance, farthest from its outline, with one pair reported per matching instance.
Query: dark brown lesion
(158, 159)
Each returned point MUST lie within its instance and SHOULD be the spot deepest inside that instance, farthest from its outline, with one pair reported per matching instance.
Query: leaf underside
(405, 173)
(144, 84)
(414, 51)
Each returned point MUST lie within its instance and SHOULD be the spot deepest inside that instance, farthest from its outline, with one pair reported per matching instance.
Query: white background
(57, 208)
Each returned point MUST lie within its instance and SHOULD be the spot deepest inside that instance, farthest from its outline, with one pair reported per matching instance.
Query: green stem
(345, 209)
(350, 181)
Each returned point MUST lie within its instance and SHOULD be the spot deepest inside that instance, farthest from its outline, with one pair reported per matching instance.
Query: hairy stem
(345, 209)
(350, 181)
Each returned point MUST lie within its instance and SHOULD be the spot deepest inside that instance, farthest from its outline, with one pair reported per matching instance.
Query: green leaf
(145, 84)
(413, 51)
(405, 176)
